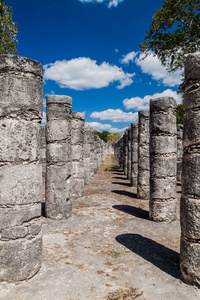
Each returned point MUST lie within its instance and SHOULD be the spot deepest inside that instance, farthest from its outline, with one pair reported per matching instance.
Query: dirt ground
(108, 249)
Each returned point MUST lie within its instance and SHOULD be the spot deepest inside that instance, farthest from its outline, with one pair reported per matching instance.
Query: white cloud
(152, 66)
(138, 103)
(128, 57)
(108, 127)
(83, 74)
(114, 115)
(109, 3)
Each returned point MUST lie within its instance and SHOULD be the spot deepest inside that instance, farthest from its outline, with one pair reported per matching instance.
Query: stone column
(43, 158)
(163, 160)
(129, 155)
(179, 151)
(59, 157)
(134, 153)
(92, 153)
(143, 155)
(21, 93)
(87, 148)
(190, 200)
(126, 153)
(78, 124)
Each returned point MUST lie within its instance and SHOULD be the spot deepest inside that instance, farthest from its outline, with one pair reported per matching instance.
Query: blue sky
(90, 51)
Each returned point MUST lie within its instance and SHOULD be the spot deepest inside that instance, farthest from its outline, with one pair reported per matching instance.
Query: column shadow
(133, 211)
(160, 256)
(122, 183)
(43, 212)
(121, 178)
(125, 193)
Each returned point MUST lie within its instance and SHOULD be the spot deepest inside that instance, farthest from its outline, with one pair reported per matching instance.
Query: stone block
(59, 152)
(20, 184)
(162, 189)
(162, 167)
(163, 123)
(163, 144)
(20, 141)
(192, 130)
(190, 180)
(18, 215)
(162, 104)
(190, 217)
(189, 261)
(58, 130)
(163, 211)
(59, 191)
(20, 259)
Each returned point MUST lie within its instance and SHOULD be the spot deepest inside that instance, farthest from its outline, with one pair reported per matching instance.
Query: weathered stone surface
(179, 151)
(18, 214)
(192, 68)
(143, 156)
(59, 191)
(190, 208)
(163, 160)
(24, 92)
(162, 189)
(20, 259)
(159, 210)
(189, 261)
(129, 155)
(162, 167)
(59, 152)
(134, 154)
(22, 143)
(59, 157)
(20, 184)
(190, 199)
(59, 108)
(192, 132)
(78, 126)
(87, 148)
(163, 144)
(190, 181)
(20, 168)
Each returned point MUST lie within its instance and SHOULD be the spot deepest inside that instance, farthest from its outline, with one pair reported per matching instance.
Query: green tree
(112, 137)
(8, 30)
(179, 114)
(174, 32)
(103, 135)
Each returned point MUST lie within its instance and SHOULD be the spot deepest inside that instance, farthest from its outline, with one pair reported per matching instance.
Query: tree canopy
(8, 30)
(174, 32)
(179, 114)
(112, 137)
(103, 135)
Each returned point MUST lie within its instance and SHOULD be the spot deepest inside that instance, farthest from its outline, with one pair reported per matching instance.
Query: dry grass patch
(128, 294)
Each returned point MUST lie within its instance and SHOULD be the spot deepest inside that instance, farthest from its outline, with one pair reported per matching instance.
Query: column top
(162, 104)
(78, 115)
(17, 63)
(56, 99)
(192, 67)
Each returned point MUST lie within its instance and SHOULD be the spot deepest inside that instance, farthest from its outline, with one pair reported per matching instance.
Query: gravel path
(108, 249)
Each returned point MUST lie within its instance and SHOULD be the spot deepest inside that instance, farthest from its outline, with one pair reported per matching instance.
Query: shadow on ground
(125, 193)
(133, 211)
(121, 178)
(160, 256)
(122, 183)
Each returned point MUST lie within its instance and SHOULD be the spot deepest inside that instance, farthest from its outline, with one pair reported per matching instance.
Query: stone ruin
(66, 153)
